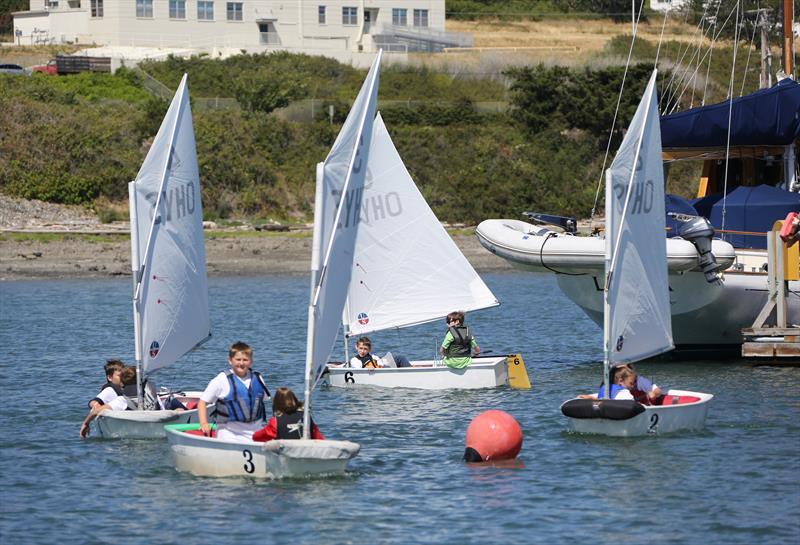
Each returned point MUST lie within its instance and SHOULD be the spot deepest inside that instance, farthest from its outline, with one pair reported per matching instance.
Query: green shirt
(457, 363)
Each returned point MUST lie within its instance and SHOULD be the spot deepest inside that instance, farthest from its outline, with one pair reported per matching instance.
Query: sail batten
(408, 271)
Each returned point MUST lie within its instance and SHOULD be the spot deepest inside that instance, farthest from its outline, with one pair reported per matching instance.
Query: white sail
(407, 269)
(638, 307)
(167, 245)
(336, 218)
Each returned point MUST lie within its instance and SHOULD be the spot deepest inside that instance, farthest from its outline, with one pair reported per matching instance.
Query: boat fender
(493, 435)
(610, 409)
(790, 229)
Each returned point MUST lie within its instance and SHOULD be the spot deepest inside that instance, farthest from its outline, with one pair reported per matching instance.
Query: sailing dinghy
(339, 191)
(637, 321)
(170, 293)
(408, 271)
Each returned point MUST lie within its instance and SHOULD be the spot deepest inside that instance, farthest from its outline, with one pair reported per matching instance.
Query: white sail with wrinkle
(639, 324)
(167, 244)
(407, 269)
(336, 219)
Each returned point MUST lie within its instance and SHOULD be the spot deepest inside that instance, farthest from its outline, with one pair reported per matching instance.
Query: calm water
(735, 482)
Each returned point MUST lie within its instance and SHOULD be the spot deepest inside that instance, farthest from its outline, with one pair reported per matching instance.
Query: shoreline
(105, 253)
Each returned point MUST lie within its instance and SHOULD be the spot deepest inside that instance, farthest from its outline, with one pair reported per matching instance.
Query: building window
(321, 15)
(399, 17)
(234, 11)
(177, 9)
(205, 11)
(420, 17)
(144, 8)
(97, 8)
(349, 16)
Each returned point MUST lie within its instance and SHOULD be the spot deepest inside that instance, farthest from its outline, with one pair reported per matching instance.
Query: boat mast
(136, 276)
(312, 318)
(606, 284)
(788, 45)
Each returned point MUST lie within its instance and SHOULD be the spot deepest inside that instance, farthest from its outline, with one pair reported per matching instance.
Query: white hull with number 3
(211, 457)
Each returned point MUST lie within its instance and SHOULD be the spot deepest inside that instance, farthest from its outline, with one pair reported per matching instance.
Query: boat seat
(200, 432)
(678, 400)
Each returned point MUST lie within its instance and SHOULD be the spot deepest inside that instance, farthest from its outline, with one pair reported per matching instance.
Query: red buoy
(493, 435)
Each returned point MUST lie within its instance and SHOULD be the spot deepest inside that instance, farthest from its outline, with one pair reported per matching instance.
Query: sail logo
(620, 342)
(642, 196)
(363, 319)
(177, 202)
(380, 206)
(155, 348)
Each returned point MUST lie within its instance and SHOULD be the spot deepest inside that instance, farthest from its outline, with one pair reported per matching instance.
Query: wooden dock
(773, 343)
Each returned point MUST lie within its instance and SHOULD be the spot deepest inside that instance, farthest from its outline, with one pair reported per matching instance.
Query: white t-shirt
(218, 388)
(115, 401)
(623, 393)
(357, 364)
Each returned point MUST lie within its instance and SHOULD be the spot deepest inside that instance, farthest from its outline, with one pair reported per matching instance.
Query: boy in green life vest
(458, 345)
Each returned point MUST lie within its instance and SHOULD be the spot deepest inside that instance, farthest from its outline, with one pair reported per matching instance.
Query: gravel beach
(85, 248)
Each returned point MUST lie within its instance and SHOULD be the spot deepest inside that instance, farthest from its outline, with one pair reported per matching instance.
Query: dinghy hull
(686, 411)
(146, 424)
(211, 457)
(425, 375)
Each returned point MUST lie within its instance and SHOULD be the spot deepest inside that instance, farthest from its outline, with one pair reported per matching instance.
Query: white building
(337, 28)
(664, 5)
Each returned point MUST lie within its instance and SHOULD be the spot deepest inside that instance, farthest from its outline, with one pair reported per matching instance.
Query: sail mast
(788, 49)
(136, 278)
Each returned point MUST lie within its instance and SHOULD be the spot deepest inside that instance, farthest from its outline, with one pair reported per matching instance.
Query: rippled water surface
(735, 482)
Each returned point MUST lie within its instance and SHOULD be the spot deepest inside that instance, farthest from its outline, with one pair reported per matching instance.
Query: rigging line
(695, 53)
(661, 37)
(674, 106)
(711, 50)
(750, 47)
(616, 112)
(698, 27)
(730, 114)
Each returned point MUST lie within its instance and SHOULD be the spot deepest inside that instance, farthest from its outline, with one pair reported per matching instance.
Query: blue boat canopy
(749, 210)
(769, 117)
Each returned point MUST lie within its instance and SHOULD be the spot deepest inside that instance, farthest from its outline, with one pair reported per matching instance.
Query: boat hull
(211, 457)
(538, 249)
(144, 424)
(655, 420)
(425, 375)
(703, 314)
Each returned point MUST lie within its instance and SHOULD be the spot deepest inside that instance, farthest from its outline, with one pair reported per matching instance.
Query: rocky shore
(82, 247)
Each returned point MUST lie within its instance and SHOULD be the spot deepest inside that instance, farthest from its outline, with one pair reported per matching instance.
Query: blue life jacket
(243, 404)
(614, 390)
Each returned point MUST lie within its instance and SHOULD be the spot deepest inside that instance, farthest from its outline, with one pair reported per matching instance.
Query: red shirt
(270, 432)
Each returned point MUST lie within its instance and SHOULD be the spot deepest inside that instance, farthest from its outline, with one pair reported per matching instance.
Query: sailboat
(408, 271)
(637, 321)
(339, 191)
(170, 292)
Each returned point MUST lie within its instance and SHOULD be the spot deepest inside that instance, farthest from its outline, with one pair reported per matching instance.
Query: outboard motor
(699, 231)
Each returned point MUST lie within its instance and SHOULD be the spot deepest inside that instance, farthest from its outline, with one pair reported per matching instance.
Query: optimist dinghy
(408, 271)
(170, 293)
(637, 321)
(339, 191)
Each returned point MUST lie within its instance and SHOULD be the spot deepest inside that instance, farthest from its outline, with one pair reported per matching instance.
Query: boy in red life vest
(287, 422)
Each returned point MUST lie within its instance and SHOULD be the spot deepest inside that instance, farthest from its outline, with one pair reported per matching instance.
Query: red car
(49, 68)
